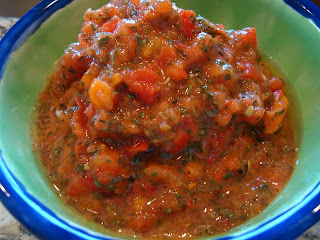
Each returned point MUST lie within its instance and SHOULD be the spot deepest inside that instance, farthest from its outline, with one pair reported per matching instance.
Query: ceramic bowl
(288, 31)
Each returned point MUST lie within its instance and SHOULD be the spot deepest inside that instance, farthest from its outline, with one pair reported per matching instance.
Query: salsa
(160, 124)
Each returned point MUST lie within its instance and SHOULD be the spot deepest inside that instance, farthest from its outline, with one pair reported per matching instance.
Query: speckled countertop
(11, 229)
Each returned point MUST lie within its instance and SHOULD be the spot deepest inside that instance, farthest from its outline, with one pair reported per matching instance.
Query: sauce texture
(159, 124)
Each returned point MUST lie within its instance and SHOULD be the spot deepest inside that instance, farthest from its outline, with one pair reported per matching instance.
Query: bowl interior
(290, 39)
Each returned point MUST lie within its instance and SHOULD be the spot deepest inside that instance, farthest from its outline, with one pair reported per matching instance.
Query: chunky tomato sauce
(160, 124)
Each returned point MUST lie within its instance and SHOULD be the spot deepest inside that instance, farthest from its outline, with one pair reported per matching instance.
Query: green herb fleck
(227, 77)
(142, 115)
(203, 132)
(72, 154)
(165, 155)
(168, 211)
(246, 166)
(120, 161)
(94, 151)
(120, 128)
(205, 48)
(140, 40)
(103, 41)
(108, 160)
(280, 113)
(193, 19)
(70, 135)
(154, 174)
(88, 142)
(135, 120)
(183, 110)
(111, 187)
(246, 46)
(268, 153)
(211, 113)
(131, 96)
(57, 151)
(97, 183)
(228, 175)
(71, 70)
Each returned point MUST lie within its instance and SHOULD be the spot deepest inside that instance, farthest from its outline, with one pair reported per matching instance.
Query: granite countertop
(11, 229)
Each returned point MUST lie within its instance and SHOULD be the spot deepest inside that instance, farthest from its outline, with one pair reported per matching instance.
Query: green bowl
(38, 40)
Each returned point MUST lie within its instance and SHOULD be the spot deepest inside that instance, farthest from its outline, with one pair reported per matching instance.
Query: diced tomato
(79, 185)
(187, 131)
(80, 119)
(255, 117)
(223, 118)
(187, 22)
(190, 126)
(220, 141)
(177, 72)
(162, 174)
(72, 65)
(135, 2)
(84, 42)
(163, 7)
(274, 116)
(111, 25)
(143, 82)
(167, 55)
(107, 161)
(218, 172)
(252, 72)
(275, 84)
(248, 37)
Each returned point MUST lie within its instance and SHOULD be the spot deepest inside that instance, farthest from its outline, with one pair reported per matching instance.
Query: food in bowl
(160, 124)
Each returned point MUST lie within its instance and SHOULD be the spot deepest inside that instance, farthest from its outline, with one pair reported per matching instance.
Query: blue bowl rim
(28, 210)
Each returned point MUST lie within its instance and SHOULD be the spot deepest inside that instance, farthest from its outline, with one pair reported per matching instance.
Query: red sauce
(160, 124)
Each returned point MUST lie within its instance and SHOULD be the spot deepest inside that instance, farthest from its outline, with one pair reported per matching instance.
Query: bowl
(288, 31)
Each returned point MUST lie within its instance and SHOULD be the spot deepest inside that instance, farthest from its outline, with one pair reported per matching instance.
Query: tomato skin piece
(143, 82)
(137, 147)
(187, 131)
(187, 22)
(181, 141)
